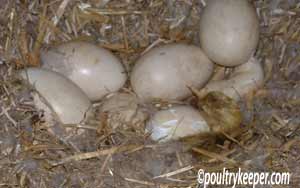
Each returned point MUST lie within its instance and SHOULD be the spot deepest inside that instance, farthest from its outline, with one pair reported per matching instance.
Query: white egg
(166, 72)
(243, 80)
(229, 31)
(176, 122)
(67, 100)
(94, 69)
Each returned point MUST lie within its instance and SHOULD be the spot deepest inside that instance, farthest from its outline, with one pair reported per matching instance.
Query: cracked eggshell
(176, 122)
(94, 69)
(67, 100)
(123, 109)
(165, 72)
(229, 31)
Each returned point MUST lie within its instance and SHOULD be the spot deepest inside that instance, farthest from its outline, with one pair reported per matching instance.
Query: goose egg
(66, 99)
(176, 122)
(166, 72)
(229, 31)
(94, 69)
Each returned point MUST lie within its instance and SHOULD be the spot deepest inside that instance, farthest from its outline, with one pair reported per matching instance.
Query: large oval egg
(66, 99)
(166, 72)
(94, 69)
(176, 122)
(229, 31)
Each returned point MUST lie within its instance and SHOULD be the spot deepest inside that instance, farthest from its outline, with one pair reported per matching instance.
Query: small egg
(229, 31)
(166, 72)
(176, 122)
(94, 69)
(66, 99)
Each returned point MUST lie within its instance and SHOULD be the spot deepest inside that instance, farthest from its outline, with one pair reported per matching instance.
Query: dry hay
(32, 157)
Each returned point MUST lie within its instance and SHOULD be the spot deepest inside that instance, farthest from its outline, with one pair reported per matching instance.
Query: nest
(33, 157)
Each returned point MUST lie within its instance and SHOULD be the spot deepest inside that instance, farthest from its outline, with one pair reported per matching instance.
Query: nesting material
(229, 31)
(40, 160)
(61, 95)
(94, 69)
(166, 72)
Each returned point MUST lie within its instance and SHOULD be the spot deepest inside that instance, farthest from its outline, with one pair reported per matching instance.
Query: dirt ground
(30, 156)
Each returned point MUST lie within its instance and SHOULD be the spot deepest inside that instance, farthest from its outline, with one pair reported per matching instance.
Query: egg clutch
(74, 75)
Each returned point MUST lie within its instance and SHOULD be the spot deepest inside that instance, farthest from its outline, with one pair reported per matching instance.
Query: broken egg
(94, 69)
(166, 72)
(123, 110)
(66, 99)
(229, 31)
(176, 122)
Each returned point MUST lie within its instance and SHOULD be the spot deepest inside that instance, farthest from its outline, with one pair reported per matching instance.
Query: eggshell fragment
(176, 122)
(229, 31)
(94, 69)
(66, 99)
(166, 72)
(123, 110)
